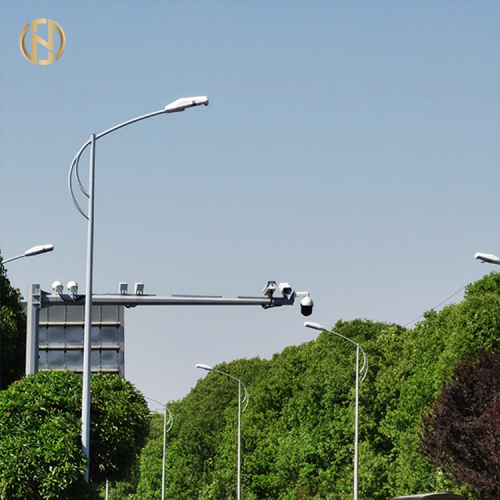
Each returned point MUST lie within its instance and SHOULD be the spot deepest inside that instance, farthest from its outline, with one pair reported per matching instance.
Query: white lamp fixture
(186, 102)
(204, 367)
(487, 257)
(37, 250)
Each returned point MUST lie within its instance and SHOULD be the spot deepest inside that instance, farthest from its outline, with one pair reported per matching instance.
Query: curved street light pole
(364, 368)
(176, 106)
(240, 411)
(165, 430)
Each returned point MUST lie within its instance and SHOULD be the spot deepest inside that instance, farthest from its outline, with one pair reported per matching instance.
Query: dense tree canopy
(298, 430)
(12, 332)
(461, 435)
(40, 428)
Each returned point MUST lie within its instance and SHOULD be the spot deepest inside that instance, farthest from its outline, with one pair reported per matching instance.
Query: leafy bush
(40, 434)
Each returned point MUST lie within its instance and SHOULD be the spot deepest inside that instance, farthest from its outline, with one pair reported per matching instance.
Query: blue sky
(350, 148)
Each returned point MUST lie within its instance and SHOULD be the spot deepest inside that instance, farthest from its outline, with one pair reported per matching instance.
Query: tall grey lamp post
(245, 400)
(32, 251)
(176, 106)
(165, 430)
(364, 369)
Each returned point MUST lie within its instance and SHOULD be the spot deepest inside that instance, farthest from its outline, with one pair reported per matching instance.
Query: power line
(435, 307)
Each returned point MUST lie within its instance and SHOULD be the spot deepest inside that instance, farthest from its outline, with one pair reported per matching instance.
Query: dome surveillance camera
(306, 306)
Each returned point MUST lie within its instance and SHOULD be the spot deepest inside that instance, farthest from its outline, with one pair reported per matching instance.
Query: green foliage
(119, 419)
(461, 435)
(12, 332)
(298, 430)
(40, 429)
(40, 453)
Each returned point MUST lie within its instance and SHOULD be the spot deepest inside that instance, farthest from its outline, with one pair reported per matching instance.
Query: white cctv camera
(269, 289)
(139, 289)
(57, 287)
(285, 289)
(123, 288)
(306, 306)
(72, 287)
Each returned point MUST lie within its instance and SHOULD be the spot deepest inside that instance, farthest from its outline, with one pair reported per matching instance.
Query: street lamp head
(32, 251)
(315, 326)
(38, 250)
(487, 257)
(186, 102)
(204, 367)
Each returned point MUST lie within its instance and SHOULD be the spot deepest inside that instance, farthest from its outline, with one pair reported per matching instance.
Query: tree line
(429, 419)
(429, 415)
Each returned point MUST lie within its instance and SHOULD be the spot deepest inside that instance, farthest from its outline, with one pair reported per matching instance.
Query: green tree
(12, 332)
(429, 354)
(40, 443)
(461, 434)
(298, 430)
(119, 417)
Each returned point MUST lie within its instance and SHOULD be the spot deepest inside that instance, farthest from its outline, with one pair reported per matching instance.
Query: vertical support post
(163, 461)
(32, 320)
(239, 440)
(88, 315)
(356, 427)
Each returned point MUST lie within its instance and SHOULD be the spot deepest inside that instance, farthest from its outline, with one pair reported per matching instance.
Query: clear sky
(350, 148)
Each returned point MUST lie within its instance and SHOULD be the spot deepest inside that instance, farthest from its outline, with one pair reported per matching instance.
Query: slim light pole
(32, 251)
(176, 106)
(240, 411)
(364, 369)
(165, 430)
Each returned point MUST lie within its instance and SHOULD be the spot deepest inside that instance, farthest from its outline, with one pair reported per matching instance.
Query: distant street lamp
(487, 257)
(32, 251)
(29, 253)
(176, 106)
(364, 369)
(165, 430)
(245, 400)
